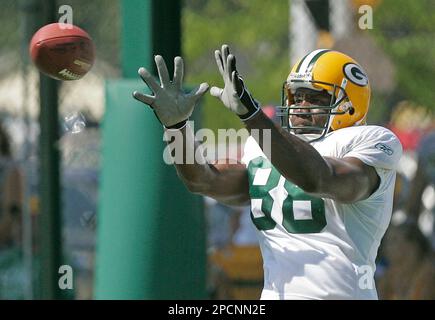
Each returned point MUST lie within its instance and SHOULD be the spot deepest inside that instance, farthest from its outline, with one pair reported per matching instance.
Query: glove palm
(171, 105)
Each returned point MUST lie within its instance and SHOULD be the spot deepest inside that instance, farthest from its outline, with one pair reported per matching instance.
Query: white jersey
(317, 248)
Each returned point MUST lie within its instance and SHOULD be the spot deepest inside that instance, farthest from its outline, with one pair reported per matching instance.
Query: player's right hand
(170, 103)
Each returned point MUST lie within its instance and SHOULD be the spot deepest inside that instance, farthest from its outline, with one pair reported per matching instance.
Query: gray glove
(234, 95)
(170, 104)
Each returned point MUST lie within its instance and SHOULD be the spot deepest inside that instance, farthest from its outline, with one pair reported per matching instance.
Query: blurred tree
(405, 30)
(9, 37)
(257, 33)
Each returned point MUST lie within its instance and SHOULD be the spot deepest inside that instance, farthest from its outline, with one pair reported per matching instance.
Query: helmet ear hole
(351, 111)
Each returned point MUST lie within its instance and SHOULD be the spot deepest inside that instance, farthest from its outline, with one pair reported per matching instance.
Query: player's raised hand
(234, 95)
(170, 103)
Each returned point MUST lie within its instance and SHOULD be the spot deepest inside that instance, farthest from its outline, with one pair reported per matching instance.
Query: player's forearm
(193, 170)
(295, 159)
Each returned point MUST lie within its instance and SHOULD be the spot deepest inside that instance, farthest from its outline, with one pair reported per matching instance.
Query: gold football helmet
(341, 77)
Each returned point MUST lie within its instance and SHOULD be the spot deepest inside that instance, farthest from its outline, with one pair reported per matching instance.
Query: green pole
(50, 224)
(136, 37)
(151, 241)
(30, 14)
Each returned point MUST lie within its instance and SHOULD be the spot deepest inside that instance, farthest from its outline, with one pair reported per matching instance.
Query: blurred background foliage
(403, 29)
(406, 31)
(259, 41)
(9, 38)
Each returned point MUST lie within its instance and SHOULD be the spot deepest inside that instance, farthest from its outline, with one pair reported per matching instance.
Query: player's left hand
(170, 103)
(235, 96)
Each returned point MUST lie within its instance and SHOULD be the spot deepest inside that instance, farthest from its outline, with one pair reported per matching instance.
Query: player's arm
(226, 183)
(346, 180)
(173, 107)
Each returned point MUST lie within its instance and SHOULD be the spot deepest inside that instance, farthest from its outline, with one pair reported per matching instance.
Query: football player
(321, 201)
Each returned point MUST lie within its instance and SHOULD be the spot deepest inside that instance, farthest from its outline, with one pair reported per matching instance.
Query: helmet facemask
(338, 103)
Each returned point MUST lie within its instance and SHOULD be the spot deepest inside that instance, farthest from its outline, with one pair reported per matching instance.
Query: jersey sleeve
(377, 147)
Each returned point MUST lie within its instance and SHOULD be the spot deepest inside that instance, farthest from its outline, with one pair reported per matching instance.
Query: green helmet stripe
(300, 63)
(315, 58)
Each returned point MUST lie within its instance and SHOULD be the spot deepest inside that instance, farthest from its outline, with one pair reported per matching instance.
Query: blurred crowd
(19, 209)
(406, 260)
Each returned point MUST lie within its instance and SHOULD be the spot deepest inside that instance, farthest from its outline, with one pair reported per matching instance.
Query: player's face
(303, 116)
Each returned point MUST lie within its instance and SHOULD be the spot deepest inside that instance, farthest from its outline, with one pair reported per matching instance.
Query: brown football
(62, 51)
